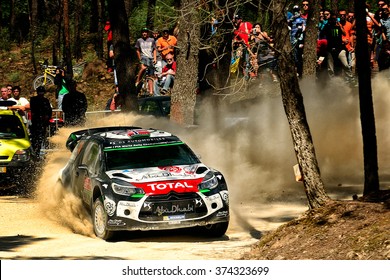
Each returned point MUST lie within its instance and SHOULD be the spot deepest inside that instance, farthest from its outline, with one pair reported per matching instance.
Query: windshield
(151, 156)
(11, 127)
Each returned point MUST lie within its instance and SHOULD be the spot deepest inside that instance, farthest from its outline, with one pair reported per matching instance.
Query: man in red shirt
(168, 74)
(242, 30)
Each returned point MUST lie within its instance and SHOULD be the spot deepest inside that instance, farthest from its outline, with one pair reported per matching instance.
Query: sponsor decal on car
(163, 187)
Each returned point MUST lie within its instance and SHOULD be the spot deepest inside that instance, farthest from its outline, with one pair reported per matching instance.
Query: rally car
(144, 179)
(16, 155)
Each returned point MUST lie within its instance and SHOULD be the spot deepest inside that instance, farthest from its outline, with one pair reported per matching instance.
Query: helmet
(41, 89)
(237, 17)
(145, 29)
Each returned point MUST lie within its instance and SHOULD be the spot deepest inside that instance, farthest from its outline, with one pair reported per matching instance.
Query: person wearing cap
(242, 30)
(147, 55)
(41, 113)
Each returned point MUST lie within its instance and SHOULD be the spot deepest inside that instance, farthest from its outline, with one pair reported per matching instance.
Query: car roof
(124, 137)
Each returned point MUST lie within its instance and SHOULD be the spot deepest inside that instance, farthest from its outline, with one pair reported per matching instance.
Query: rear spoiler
(75, 136)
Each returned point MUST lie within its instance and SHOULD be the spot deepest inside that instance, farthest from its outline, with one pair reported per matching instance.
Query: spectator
(297, 25)
(4, 95)
(9, 88)
(322, 24)
(22, 104)
(381, 5)
(112, 103)
(241, 32)
(166, 44)
(107, 28)
(265, 55)
(168, 74)
(41, 113)
(384, 52)
(74, 106)
(159, 65)
(347, 38)
(337, 53)
(147, 55)
(305, 8)
(60, 82)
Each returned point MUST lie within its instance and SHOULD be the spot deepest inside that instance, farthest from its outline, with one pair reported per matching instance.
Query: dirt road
(26, 233)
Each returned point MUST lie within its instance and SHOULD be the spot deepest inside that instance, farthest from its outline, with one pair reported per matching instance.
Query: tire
(99, 218)
(215, 230)
(39, 81)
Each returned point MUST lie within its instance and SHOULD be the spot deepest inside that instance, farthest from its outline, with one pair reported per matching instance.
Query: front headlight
(209, 182)
(125, 188)
(21, 155)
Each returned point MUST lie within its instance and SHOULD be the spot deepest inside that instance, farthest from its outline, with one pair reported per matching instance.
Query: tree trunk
(367, 118)
(78, 11)
(184, 92)
(295, 111)
(67, 51)
(150, 15)
(57, 31)
(124, 55)
(12, 19)
(311, 35)
(34, 25)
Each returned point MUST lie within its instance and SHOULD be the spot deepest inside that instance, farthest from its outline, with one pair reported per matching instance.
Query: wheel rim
(100, 220)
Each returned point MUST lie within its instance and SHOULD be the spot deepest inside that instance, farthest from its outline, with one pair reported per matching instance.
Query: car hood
(162, 180)
(8, 147)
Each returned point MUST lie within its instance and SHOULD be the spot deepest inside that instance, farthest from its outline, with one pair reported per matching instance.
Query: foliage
(14, 77)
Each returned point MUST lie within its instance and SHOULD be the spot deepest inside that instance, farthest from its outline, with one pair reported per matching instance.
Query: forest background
(85, 38)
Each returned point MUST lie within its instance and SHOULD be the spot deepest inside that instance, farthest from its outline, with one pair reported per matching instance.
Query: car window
(164, 155)
(91, 157)
(11, 127)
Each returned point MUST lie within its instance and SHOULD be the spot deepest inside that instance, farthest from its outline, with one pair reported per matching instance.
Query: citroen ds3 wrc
(144, 179)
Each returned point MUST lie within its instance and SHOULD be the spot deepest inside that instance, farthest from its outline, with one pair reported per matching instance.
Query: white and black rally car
(144, 179)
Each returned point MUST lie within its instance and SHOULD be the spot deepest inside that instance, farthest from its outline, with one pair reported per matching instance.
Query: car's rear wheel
(216, 230)
(100, 217)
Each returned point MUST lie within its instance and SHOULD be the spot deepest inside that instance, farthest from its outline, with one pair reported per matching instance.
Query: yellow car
(15, 150)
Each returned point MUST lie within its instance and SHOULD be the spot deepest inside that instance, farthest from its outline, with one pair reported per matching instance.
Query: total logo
(164, 187)
(170, 185)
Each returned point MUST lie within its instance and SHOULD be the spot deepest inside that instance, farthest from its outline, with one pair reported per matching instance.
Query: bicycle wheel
(40, 81)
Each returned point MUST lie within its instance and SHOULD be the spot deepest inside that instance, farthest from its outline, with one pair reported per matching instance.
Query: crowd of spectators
(253, 47)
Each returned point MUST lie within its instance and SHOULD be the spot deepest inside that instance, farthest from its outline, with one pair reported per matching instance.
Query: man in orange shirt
(347, 36)
(166, 44)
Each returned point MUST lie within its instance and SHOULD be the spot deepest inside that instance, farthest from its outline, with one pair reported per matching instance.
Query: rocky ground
(348, 230)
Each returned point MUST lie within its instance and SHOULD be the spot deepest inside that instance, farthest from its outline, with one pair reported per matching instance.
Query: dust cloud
(250, 143)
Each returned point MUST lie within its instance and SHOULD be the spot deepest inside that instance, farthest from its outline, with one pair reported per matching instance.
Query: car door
(87, 169)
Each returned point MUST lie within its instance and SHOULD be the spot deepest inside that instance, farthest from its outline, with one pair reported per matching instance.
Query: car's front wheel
(216, 230)
(99, 217)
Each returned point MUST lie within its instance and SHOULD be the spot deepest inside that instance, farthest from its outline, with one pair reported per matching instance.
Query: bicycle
(47, 78)
(49, 73)
(142, 89)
